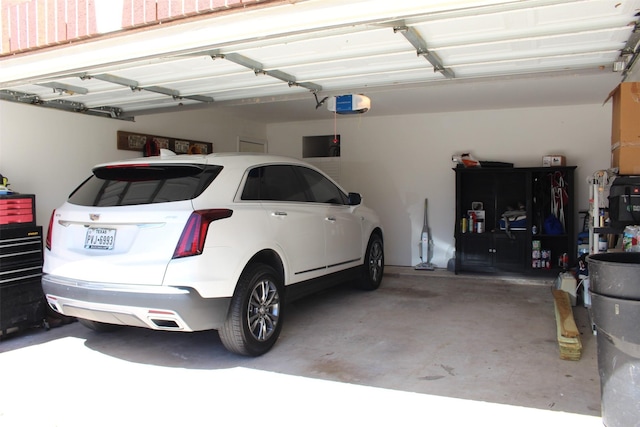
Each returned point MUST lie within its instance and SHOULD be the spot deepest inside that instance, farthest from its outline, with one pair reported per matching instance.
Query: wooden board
(567, 332)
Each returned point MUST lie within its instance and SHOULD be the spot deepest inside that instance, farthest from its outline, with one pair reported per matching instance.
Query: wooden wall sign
(135, 142)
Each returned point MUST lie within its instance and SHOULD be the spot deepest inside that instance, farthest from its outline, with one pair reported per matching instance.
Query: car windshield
(140, 184)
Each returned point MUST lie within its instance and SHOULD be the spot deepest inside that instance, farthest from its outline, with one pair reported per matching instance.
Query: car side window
(320, 188)
(273, 182)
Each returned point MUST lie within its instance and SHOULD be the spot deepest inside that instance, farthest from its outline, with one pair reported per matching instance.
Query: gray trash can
(615, 298)
(615, 274)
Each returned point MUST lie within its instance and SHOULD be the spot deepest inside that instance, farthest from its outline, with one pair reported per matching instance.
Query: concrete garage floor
(427, 348)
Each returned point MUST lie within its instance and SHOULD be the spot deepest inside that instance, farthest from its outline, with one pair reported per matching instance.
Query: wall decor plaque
(136, 141)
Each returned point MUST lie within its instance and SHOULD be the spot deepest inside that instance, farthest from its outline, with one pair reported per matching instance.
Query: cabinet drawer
(20, 248)
(13, 276)
(16, 217)
(17, 209)
(16, 203)
(16, 253)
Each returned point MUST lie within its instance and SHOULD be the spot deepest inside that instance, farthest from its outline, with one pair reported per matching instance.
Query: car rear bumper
(153, 307)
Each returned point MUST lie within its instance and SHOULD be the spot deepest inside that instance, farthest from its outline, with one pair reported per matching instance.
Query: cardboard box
(626, 157)
(549, 161)
(625, 126)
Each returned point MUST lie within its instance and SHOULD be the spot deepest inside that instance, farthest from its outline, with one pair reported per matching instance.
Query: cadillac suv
(195, 242)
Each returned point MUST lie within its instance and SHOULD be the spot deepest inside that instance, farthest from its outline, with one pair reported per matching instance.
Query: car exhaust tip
(165, 323)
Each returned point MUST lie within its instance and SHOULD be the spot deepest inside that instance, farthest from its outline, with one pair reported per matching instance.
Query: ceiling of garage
(278, 63)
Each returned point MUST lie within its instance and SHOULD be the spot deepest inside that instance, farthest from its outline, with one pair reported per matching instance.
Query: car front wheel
(254, 319)
(373, 267)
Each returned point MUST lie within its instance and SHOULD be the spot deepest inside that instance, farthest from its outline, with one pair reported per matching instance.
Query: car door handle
(278, 213)
(331, 218)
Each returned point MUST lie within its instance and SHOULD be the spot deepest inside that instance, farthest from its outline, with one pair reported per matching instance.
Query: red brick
(162, 10)
(61, 21)
(138, 12)
(31, 23)
(22, 19)
(150, 11)
(51, 21)
(72, 19)
(189, 7)
(12, 20)
(175, 8)
(204, 5)
(92, 20)
(127, 8)
(41, 22)
(5, 45)
(81, 18)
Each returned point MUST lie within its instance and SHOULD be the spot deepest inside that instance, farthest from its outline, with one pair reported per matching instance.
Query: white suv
(192, 242)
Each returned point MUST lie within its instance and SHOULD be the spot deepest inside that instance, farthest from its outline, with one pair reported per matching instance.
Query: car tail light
(50, 231)
(192, 239)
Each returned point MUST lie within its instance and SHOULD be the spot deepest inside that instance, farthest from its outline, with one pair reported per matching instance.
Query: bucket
(615, 304)
(618, 340)
(615, 274)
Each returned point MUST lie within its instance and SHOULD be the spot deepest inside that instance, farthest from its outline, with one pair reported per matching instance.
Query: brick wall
(33, 24)
(36, 23)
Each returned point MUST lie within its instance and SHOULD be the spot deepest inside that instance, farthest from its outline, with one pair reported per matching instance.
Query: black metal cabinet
(509, 252)
(498, 190)
(476, 251)
(21, 297)
(491, 252)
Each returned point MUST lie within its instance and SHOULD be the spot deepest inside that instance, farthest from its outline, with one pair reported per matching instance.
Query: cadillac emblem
(94, 217)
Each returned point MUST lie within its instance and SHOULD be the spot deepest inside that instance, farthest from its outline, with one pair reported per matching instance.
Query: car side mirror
(355, 199)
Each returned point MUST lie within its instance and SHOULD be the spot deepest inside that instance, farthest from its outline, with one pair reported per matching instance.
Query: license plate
(100, 238)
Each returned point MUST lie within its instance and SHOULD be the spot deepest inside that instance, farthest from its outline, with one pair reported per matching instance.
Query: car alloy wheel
(373, 266)
(376, 260)
(263, 311)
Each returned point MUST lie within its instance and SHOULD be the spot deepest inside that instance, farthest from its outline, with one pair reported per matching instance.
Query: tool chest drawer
(20, 252)
(17, 210)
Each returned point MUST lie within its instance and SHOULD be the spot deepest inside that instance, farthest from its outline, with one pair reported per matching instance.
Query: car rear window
(144, 184)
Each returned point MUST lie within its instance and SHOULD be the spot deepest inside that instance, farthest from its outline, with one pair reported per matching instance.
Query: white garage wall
(397, 162)
(48, 153)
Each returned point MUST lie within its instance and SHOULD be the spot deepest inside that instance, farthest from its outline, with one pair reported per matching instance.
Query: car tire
(373, 267)
(254, 319)
(99, 326)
